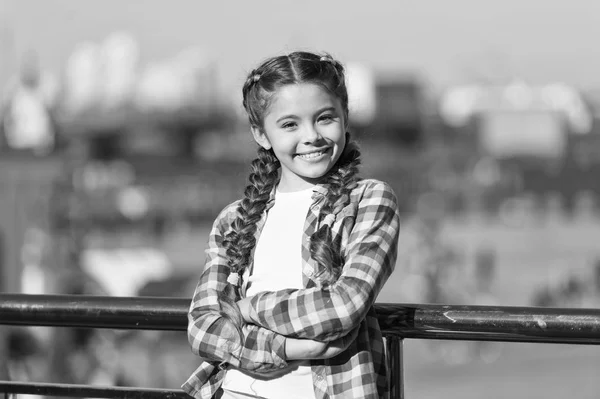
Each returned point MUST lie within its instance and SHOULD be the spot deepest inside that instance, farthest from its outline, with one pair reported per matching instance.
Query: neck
(291, 185)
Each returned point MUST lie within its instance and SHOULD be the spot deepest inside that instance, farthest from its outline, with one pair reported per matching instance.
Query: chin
(315, 176)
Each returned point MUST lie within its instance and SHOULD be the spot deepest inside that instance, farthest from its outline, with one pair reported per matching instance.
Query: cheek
(334, 131)
(283, 144)
(340, 136)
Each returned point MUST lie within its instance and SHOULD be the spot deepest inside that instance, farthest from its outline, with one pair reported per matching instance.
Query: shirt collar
(319, 192)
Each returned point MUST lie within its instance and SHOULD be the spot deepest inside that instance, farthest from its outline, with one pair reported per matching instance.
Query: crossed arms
(294, 324)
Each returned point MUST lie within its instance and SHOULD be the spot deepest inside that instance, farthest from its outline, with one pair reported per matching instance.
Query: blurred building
(541, 139)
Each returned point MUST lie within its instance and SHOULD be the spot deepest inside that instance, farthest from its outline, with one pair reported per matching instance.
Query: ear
(260, 137)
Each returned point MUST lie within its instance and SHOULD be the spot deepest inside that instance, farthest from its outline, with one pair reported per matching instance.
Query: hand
(334, 348)
(303, 349)
(269, 375)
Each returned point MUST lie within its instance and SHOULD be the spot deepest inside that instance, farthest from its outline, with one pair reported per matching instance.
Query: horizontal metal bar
(89, 391)
(455, 322)
(139, 313)
(491, 323)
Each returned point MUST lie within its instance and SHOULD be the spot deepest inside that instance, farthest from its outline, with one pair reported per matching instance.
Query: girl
(283, 308)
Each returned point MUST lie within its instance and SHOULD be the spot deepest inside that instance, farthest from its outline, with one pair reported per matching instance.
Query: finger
(350, 338)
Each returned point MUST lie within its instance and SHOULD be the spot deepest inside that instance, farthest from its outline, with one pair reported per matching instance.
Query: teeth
(311, 155)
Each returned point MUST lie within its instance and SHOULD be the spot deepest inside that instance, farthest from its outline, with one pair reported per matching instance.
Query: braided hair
(261, 85)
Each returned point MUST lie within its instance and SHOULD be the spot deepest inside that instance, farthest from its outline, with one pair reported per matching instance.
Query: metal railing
(397, 321)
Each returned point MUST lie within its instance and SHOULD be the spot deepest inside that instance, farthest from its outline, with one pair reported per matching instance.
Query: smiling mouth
(312, 155)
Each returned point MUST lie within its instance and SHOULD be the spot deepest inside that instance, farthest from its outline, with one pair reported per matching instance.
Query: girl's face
(305, 127)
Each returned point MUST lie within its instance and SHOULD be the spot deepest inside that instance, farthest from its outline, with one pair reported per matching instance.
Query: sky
(443, 41)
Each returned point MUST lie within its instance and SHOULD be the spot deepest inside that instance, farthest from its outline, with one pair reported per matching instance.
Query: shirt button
(309, 273)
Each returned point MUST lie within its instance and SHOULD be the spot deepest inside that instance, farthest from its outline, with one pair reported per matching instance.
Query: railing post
(4, 373)
(395, 365)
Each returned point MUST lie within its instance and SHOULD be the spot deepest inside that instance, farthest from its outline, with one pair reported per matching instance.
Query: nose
(311, 134)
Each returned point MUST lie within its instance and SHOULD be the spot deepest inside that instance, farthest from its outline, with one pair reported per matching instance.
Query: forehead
(301, 99)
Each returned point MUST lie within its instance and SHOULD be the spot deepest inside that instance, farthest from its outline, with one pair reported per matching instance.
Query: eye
(288, 125)
(326, 118)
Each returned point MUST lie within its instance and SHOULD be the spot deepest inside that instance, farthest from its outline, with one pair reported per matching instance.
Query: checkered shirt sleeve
(329, 312)
(213, 337)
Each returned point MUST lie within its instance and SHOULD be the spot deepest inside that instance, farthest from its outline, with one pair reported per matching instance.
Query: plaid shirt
(368, 227)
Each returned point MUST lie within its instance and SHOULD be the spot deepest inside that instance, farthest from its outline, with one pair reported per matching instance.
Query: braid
(324, 248)
(252, 97)
(240, 240)
(253, 78)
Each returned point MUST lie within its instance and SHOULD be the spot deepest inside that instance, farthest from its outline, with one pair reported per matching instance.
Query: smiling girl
(284, 305)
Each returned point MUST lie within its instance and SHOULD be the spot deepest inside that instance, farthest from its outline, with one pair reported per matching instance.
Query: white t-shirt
(277, 265)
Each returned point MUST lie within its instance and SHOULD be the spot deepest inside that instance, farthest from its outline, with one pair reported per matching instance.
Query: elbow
(214, 339)
(353, 311)
(196, 338)
(335, 329)
(201, 336)
(353, 320)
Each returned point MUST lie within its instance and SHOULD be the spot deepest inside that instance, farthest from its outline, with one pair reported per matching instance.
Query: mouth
(313, 154)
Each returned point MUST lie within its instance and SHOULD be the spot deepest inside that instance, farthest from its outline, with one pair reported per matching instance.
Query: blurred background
(122, 136)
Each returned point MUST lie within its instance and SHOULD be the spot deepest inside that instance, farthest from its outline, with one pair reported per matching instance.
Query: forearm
(332, 314)
(323, 314)
(327, 325)
(319, 325)
(258, 349)
(303, 349)
(300, 349)
(217, 338)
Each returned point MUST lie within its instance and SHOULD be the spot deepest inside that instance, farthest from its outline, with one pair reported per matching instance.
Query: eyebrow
(330, 108)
